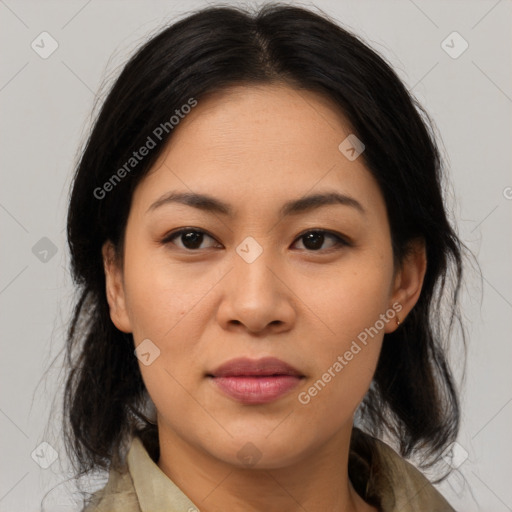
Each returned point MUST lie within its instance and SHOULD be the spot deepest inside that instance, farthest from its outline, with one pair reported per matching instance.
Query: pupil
(192, 238)
(314, 239)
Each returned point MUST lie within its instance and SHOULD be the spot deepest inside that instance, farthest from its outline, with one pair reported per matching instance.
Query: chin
(258, 452)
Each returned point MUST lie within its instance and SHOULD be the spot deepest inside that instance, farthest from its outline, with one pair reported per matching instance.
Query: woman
(258, 232)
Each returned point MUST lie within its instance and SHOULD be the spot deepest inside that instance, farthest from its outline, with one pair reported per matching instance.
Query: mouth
(260, 381)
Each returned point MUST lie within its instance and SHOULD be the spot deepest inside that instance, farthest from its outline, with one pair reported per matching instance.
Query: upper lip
(244, 366)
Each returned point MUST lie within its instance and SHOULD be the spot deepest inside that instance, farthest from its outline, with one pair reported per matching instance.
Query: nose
(256, 297)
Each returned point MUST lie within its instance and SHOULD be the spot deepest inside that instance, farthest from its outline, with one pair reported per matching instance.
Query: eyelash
(340, 240)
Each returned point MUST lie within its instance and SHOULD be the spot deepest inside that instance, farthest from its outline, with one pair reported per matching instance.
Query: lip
(259, 381)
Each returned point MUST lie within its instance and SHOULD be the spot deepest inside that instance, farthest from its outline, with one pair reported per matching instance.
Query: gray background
(46, 106)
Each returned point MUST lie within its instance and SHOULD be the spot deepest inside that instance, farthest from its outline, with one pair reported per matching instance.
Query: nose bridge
(253, 273)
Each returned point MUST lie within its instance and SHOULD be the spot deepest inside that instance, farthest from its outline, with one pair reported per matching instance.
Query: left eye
(313, 240)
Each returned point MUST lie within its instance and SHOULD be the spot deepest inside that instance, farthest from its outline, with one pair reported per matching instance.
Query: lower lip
(257, 390)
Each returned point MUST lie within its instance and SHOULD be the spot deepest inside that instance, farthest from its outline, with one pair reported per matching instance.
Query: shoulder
(138, 485)
(403, 487)
(118, 495)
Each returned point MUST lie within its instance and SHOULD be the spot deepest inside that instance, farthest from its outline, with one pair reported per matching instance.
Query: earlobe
(114, 288)
(409, 281)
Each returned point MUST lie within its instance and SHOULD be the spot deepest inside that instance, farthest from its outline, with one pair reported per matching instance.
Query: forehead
(259, 143)
(263, 121)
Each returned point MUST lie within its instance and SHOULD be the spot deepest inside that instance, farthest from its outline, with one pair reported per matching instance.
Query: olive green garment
(143, 487)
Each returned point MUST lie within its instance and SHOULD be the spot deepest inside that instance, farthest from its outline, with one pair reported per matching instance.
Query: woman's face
(252, 279)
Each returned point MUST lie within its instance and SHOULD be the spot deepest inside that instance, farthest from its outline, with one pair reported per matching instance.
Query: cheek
(350, 307)
(353, 298)
(169, 308)
(159, 295)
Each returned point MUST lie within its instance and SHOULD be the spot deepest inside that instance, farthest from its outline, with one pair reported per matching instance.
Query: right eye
(190, 238)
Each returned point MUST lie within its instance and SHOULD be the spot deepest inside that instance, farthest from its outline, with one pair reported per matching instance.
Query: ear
(115, 288)
(408, 281)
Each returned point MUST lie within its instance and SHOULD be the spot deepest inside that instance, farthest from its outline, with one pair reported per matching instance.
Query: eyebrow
(211, 204)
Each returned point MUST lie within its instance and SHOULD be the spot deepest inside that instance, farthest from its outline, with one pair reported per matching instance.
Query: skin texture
(256, 148)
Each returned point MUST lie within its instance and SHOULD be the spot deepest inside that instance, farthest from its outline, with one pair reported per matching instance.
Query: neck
(317, 482)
